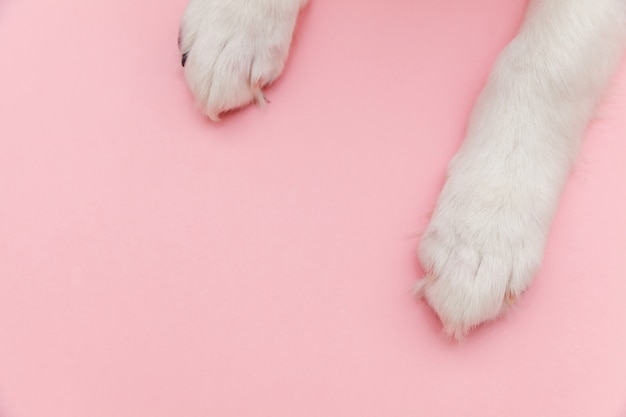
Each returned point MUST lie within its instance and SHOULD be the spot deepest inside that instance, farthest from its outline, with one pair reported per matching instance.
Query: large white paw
(484, 243)
(233, 48)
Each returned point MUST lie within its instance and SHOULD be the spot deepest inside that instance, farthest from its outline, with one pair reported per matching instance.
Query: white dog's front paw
(483, 245)
(232, 49)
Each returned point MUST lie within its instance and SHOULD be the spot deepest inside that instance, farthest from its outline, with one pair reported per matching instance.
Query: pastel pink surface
(154, 264)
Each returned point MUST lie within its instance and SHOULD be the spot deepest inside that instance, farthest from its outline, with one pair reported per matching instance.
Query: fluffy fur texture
(233, 48)
(487, 235)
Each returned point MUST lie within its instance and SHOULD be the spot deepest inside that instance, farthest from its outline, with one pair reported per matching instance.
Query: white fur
(487, 235)
(235, 48)
(486, 238)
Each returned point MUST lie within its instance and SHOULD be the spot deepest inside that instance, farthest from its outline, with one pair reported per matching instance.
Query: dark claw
(184, 58)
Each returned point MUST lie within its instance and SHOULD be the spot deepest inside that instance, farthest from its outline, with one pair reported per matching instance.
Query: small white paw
(484, 243)
(233, 49)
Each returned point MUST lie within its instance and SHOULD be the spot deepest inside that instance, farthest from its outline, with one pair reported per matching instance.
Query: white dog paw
(232, 49)
(482, 247)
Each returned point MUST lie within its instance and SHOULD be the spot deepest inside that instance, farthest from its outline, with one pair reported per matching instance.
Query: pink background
(154, 264)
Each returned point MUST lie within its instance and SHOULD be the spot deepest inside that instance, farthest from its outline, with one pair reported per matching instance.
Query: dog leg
(486, 238)
(232, 49)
